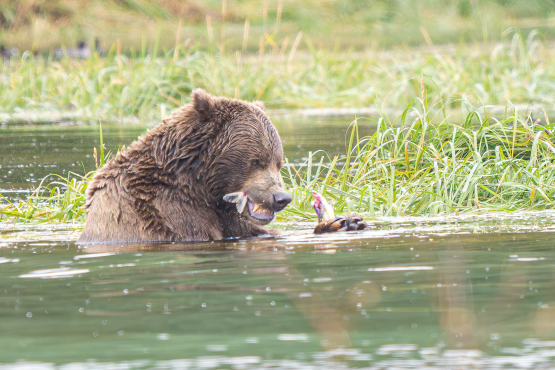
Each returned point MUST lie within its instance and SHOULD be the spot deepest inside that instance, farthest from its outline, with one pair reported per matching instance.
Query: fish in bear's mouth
(242, 201)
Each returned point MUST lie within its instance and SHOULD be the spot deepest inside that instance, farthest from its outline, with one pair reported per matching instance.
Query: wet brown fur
(168, 185)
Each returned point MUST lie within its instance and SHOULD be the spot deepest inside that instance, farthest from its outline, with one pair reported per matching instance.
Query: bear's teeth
(256, 207)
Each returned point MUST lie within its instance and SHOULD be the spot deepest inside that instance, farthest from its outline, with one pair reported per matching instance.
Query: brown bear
(169, 185)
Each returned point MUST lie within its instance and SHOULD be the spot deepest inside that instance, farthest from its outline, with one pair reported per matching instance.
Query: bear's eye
(256, 163)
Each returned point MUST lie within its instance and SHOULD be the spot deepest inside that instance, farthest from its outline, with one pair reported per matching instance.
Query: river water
(472, 292)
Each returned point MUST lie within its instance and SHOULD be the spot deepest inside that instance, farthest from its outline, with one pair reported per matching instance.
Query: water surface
(410, 293)
(458, 292)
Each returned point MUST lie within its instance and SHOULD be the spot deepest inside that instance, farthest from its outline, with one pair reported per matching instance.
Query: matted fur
(168, 185)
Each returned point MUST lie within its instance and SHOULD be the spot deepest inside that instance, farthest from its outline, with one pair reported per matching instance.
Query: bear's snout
(281, 200)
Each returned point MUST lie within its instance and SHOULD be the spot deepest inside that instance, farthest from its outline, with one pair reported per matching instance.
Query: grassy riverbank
(518, 70)
(427, 165)
(213, 24)
(419, 163)
(423, 162)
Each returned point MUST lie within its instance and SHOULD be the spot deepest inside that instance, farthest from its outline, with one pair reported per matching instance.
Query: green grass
(332, 24)
(56, 199)
(429, 165)
(117, 86)
(419, 163)
(426, 161)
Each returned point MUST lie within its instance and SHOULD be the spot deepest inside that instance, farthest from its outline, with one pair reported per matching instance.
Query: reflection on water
(452, 292)
(31, 152)
(408, 294)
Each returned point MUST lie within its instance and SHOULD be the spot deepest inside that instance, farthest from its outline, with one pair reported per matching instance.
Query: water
(460, 293)
(31, 152)
(466, 292)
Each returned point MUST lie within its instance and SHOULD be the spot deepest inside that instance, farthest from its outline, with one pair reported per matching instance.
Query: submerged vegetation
(419, 163)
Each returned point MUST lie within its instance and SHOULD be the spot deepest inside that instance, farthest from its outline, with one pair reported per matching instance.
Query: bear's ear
(203, 103)
(260, 105)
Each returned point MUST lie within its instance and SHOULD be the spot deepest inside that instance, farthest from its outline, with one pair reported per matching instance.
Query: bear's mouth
(258, 213)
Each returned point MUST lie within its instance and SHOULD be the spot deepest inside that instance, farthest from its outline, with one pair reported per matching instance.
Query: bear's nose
(281, 200)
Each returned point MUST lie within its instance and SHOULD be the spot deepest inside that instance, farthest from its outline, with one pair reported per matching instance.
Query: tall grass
(415, 164)
(56, 199)
(146, 87)
(422, 165)
(333, 24)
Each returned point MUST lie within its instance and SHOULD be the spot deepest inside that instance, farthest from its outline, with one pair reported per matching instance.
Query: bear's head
(224, 146)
